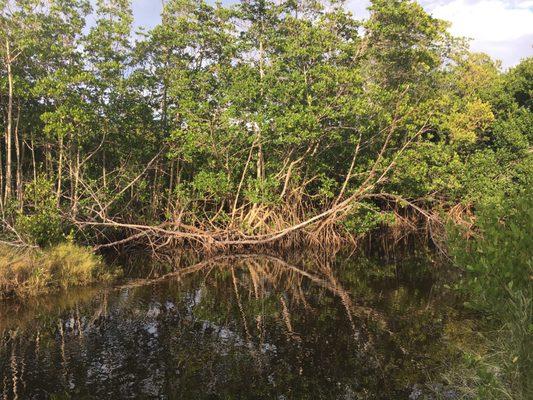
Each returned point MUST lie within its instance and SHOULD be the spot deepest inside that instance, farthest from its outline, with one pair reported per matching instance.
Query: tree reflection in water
(243, 326)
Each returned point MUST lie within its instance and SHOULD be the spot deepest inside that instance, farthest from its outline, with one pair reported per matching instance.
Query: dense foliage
(498, 282)
(250, 119)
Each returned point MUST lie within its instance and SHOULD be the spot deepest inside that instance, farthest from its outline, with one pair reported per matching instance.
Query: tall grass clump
(498, 283)
(32, 271)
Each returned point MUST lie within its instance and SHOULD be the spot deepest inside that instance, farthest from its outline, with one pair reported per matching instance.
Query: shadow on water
(249, 326)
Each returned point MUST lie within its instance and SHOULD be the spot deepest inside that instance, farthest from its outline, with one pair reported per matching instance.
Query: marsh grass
(491, 360)
(27, 272)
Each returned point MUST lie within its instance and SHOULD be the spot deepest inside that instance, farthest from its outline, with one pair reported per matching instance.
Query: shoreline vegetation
(284, 125)
(497, 284)
(31, 272)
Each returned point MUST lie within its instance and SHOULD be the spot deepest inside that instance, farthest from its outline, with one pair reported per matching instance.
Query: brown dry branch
(267, 225)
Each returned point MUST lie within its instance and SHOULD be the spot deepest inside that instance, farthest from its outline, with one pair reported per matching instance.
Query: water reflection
(230, 327)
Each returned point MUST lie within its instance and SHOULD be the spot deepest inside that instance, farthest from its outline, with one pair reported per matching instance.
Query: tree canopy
(245, 123)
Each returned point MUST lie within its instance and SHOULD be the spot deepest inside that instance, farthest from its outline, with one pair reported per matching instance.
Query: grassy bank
(33, 271)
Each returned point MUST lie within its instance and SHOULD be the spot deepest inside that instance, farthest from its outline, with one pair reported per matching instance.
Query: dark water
(250, 327)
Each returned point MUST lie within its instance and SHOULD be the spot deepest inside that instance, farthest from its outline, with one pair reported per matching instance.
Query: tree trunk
(1, 179)
(76, 183)
(18, 177)
(9, 127)
(33, 160)
(260, 160)
(104, 171)
(59, 170)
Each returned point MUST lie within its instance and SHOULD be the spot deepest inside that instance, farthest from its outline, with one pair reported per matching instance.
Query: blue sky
(501, 28)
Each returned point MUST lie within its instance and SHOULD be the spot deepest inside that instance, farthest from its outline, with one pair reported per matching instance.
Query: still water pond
(246, 327)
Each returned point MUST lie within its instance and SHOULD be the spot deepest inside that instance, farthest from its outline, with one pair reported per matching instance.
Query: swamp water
(243, 327)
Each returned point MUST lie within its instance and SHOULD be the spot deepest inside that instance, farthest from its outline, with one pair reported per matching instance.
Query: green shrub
(366, 217)
(40, 221)
(500, 260)
(498, 282)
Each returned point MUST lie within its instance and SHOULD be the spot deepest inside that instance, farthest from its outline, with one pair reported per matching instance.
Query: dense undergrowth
(497, 361)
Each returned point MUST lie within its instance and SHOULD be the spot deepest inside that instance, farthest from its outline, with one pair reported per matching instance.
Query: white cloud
(487, 20)
(500, 28)
(358, 8)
